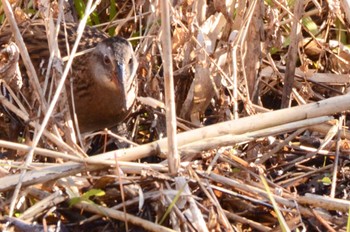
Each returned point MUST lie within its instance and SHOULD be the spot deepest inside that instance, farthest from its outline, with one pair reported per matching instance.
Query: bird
(103, 81)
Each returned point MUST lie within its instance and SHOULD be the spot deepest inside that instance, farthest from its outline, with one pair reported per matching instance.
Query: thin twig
(173, 156)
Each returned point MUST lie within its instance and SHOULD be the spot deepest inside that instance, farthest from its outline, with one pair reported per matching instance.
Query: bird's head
(115, 68)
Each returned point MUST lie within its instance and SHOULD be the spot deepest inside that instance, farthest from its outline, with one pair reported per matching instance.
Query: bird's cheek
(114, 80)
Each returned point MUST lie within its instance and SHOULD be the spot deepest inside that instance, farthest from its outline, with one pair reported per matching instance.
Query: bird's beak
(125, 85)
(121, 82)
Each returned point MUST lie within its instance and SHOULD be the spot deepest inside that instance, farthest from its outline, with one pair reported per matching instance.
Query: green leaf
(171, 206)
(310, 25)
(80, 8)
(326, 180)
(75, 200)
(342, 34)
(86, 196)
(281, 219)
(93, 192)
(269, 2)
(18, 214)
(112, 14)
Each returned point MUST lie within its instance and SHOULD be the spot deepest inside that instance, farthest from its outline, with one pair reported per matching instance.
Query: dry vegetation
(245, 164)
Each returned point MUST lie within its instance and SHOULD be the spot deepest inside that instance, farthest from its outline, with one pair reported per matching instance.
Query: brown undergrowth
(235, 65)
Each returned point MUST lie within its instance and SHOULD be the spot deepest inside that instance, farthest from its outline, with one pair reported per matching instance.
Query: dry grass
(234, 66)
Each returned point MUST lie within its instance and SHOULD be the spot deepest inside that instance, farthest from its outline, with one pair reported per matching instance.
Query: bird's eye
(106, 60)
